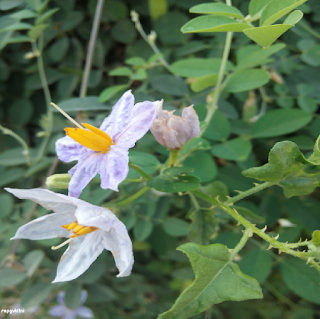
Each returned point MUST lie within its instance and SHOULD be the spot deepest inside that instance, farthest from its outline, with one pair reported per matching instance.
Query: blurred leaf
(202, 227)
(11, 277)
(219, 127)
(308, 104)
(124, 31)
(148, 163)
(279, 122)
(214, 24)
(217, 278)
(35, 295)
(32, 261)
(88, 103)
(256, 6)
(195, 67)
(301, 278)
(157, 8)
(11, 175)
(204, 82)
(122, 71)
(136, 61)
(169, 84)
(109, 92)
(217, 9)
(6, 201)
(256, 263)
(46, 15)
(10, 4)
(101, 293)
(20, 112)
(236, 149)
(59, 49)
(195, 144)
(175, 227)
(73, 295)
(247, 80)
(142, 229)
(36, 31)
(174, 180)
(140, 74)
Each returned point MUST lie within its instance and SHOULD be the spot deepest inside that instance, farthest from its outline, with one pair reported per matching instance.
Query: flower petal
(82, 173)
(84, 312)
(60, 297)
(191, 116)
(142, 117)
(164, 135)
(57, 311)
(69, 150)
(119, 117)
(115, 169)
(46, 227)
(84, 296)
(71, 314)
(81, 253)
(115, 235)
(57, 202)
(118, 242)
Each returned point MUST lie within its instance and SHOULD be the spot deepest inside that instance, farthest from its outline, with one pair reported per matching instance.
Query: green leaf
(246, 80)
(256, 56)
(35, 295)
(195, 67)
(280, 122)
(202, 227)
(315, 156)
(217, 9)
(12, 157)
(11, 277)
(266, 35)
(35, 4)
(59, 49)
(23, 14)
(217, 279)
(101, 293)
(88, 103)
(11, 175)
(147, 162)
(46, 15)
(143, 229)
(236, 149)
(10, 4)
(6, 201)
(301, 278)
(136, 61)
(277, 9)
(256, 7)
(18, 39)
(17, 26)
(140, 74)
(256, 263)
(175, 227)
(169, 84)
(308, 104)
(157, 8)
(122, 71)
(174, 180)
(32, 261)
(294, 17)
(109, 92)
(214, 24)
(123, 31)
(204, 82)
(195, 144)
(219, 127)
(72, 298)
(204, 166)
(36, 31)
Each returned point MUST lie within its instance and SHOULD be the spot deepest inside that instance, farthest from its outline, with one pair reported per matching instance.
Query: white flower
(65, 313)
(94, 229)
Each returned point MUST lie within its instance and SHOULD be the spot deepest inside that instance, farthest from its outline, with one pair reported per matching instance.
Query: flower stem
(248, 192)
(132, 198)
(93, 38)
(26, 152)
(172, 157)
(139, 170)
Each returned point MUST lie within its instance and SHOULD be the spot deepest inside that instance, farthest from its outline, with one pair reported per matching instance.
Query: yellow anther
(77, 228)
(84, 231)
(97, 131)
(70, 226)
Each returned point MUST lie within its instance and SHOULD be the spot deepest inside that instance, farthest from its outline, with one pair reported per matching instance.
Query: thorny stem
(93, 38)
(26, 152)
(135, 19)
(282, 247)
(173, 157)
(248, 192)
(139, 170)
(246, 235)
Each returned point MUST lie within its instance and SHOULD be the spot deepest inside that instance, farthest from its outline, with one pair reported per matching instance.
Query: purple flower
(173, 131)
(90, 230)
(63, 312)
(104, 151)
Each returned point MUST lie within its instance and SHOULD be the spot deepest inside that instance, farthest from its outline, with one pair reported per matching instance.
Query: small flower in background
(173, 131)
(104, 151)
(285, 223)
(63, 312)
(93, 228)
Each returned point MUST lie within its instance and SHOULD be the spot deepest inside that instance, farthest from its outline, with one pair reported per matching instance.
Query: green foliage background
(254, 114)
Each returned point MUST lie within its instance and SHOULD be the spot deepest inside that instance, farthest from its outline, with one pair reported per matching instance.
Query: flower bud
(173, 131)
(58, 181)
